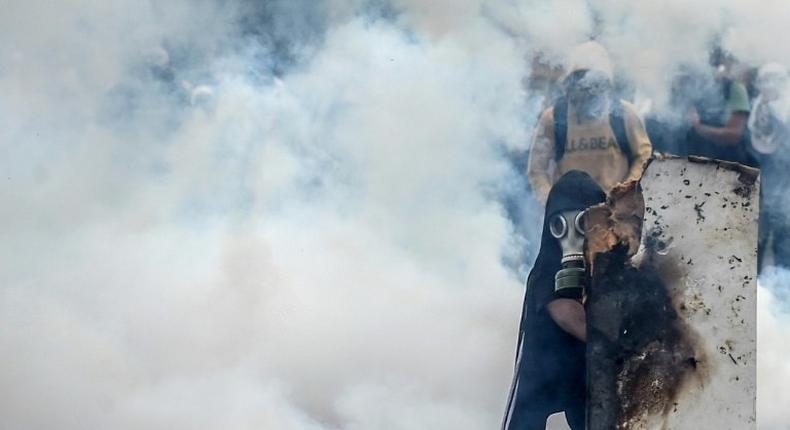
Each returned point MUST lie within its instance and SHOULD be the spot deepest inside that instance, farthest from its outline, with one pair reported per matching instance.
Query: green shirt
(738, 100)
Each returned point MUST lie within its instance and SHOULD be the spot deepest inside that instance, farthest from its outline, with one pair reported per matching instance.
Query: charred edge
(618, 221)
(748, 175)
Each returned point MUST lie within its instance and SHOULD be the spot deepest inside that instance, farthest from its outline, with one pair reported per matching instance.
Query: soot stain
(641, 353)
(698, 210)
(744, 191)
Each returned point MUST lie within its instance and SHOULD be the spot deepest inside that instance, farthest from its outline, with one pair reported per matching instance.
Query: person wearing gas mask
(549, 374)
(770, 144)
(588, 129)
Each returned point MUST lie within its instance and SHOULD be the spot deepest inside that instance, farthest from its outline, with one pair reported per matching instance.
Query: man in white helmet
(588, 129)
(770, 141)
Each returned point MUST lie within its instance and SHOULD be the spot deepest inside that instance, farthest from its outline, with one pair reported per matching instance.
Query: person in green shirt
(718, 118)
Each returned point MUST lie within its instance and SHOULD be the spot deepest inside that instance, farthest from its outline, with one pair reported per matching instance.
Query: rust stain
(618, 221)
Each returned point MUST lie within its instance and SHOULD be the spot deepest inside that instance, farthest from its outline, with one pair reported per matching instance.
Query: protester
(718, 113)
(550, 356)
(770, 141)
(588, 129)
(668, 128)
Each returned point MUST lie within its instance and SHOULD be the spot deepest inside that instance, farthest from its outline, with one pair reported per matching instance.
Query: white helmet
(590, 56)
(773, 78)
(771, 109)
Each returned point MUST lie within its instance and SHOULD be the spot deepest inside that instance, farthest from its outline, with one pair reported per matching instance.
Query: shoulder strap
(560, 127)
(617, 122)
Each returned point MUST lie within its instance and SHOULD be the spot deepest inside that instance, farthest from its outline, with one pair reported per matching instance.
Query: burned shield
(672, 304)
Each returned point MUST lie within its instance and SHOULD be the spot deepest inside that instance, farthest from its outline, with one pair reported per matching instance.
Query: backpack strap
(560, 127)
(617, 122)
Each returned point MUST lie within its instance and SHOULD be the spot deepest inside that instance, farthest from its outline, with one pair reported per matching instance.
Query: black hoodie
(550, 363)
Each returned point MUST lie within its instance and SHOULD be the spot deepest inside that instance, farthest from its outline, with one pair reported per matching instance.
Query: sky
(289, 214)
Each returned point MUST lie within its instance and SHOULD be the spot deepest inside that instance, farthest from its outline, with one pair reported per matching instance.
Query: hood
(590, 56)
(574, 190)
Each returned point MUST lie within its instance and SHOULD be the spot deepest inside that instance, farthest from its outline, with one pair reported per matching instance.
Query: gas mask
(568, 228)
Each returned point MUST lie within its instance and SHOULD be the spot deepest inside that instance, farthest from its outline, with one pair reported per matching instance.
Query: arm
(732, 132)
(729, 135)
(570, 316)
(540, 156)
(641, 147)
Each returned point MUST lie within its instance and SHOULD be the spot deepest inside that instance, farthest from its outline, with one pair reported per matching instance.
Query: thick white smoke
(773, 370)
(314, 246)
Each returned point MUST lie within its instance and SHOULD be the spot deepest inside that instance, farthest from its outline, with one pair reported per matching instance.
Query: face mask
(568, 228)
(589, 95)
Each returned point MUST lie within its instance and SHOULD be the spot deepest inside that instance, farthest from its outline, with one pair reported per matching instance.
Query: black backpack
(616, 121)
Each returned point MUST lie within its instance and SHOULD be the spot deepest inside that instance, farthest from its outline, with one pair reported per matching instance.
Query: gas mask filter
(568, 228)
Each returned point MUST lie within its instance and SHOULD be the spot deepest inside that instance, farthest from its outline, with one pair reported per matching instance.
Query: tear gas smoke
(285, 215)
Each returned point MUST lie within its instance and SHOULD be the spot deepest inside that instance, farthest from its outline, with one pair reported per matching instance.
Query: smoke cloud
(772, 369)
(287, 214)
